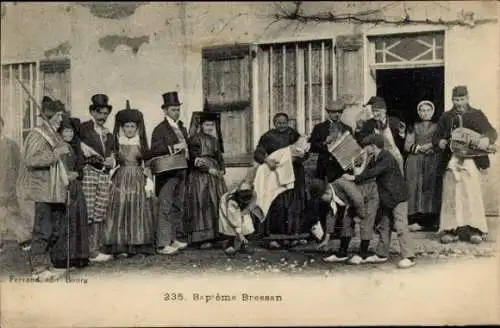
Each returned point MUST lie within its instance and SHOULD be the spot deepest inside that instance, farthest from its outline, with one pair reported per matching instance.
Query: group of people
(97, 194)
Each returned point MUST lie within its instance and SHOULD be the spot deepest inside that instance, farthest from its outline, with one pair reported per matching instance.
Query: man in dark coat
(392, 128)
(170, 137)
(98, 145)
(462, 211)
(393, 196)
(325, 133)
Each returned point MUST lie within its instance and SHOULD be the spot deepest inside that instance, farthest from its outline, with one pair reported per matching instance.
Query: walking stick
(68, 203)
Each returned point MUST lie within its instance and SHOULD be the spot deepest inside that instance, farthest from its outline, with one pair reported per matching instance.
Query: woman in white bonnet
(421, 170)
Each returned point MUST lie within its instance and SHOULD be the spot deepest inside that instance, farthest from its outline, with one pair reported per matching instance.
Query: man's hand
(180, 146)
(484, 143)
(348, 177)
(443, 143)
(62, 150)
(271, 163)
(72, 176)
(329, 139)
(109, 162)
(242, 238)
(324, 243)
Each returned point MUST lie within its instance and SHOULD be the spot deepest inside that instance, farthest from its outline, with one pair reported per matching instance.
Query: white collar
(123, 140)
(97, 127)
(171, 121)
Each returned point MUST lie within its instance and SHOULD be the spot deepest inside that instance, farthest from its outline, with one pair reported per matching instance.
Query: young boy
(335, 194)
(393, 196)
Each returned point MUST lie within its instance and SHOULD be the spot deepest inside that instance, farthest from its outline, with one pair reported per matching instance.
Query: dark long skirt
(202, 206)
(78, 247)
(129, 226)
(286, 218)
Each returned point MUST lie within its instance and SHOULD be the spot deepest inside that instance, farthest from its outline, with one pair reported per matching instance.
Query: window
(299, 80)
(41, 78)
(226, 86)
(410, 49)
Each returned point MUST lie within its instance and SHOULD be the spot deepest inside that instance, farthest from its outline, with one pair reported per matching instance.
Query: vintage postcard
(266, 163)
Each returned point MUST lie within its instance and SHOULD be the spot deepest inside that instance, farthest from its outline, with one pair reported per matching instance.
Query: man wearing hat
(169, 137)
(392, 128)
(98, 145)
(463, 217)
(325, 133)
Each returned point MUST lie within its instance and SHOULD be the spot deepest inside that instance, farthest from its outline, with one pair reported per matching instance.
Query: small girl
(235, 219)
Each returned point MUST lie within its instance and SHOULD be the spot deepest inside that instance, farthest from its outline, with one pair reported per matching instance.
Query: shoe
(168, 250)
(336, 258)
(26, 248)
(58, 273)
(448, 238)
(101, 258)
(274, 245)
(375, 259)
(415, 227)
(406, 263)
(476, 239)
(230, 250)
(205, 246)
(123, 255)
(179, 245)
(355, 260)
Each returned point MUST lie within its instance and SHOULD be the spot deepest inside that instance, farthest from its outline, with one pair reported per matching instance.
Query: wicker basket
(166, 163)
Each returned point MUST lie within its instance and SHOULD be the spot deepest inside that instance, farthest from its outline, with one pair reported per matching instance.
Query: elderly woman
(285, 219)
(422, 170)
(44, 180)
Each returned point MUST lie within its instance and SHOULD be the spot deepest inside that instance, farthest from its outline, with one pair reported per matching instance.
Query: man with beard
(98, 145)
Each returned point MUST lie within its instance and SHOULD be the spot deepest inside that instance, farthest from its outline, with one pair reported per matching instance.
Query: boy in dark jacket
(393, 196)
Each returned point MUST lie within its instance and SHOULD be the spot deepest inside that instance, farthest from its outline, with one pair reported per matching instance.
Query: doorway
(404, 88)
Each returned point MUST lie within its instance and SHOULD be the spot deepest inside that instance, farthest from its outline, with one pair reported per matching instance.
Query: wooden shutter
(227, 87)
(350, 70)
(56, 80)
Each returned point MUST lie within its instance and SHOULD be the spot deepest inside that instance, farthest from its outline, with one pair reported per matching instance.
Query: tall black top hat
(100, 101)
(170, 99)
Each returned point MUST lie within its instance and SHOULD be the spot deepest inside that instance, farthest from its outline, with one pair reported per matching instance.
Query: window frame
(37, 67)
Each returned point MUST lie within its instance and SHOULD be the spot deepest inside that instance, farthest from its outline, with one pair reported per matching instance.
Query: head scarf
(426, 102)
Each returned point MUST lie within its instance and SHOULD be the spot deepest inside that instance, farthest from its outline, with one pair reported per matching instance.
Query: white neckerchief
(134, 141)
(172, 122)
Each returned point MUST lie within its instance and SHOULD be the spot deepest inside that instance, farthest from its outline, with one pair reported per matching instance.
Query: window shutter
(349, 52)
(227, 88)
(350, 70)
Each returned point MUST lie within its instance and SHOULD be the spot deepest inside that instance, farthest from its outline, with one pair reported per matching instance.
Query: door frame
(369, 76)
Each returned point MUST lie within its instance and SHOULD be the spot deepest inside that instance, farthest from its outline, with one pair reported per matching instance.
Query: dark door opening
(403, 89)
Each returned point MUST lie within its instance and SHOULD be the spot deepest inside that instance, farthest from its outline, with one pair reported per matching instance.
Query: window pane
(439, 53)
(379, 57)
(409, 48)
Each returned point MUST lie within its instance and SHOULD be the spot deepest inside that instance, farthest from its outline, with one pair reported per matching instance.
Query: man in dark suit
(392, 128)
(325, 133)
(393, 196)
(98, 146)
(170, 137)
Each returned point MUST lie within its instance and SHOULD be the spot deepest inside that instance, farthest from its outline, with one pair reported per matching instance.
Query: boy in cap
(393, 200)
(462, 210)
(333, 195)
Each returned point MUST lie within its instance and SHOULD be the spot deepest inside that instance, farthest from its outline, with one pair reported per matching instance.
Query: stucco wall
(157, 48)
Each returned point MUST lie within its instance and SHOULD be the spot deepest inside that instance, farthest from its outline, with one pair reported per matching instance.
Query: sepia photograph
(249, 163)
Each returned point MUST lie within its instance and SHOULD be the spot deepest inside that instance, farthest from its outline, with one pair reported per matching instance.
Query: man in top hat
(98, 145)
(325, 133)
(170, 137)
(463, 217)
(392, 128)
